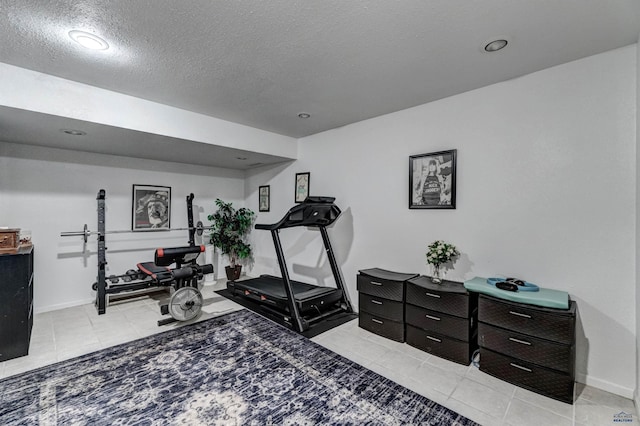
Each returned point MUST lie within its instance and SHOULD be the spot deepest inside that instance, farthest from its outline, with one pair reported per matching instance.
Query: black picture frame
(264, 198)
(303, 183)
(151, 208)
(432, 180)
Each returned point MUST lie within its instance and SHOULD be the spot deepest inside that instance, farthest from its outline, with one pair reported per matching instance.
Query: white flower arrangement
(439, 252)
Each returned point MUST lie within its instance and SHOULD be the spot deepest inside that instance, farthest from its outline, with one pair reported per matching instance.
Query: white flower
(439, 252)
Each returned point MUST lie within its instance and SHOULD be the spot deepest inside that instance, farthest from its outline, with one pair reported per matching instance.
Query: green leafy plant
(439, 252)
(229, 231)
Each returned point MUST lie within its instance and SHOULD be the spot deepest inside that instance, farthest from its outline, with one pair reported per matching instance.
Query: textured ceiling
(260, 63)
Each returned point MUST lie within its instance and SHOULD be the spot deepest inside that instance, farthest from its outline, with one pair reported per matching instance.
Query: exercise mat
(544, 297)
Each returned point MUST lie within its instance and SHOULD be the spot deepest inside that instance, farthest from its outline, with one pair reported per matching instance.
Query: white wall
(49, 191)
(546, 191)
(637, 393)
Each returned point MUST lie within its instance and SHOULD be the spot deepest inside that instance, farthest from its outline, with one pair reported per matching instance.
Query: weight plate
(131, 275)
(185, 303)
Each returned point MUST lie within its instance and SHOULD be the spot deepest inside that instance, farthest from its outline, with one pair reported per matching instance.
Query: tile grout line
(504, 416)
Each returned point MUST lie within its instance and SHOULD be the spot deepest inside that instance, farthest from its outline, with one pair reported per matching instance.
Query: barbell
(85, 233)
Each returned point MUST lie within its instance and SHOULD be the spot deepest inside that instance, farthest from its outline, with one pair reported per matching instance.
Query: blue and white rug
(238, 369)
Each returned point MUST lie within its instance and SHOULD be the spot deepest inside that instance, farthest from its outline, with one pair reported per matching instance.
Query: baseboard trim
(50, 308)
(607, 386)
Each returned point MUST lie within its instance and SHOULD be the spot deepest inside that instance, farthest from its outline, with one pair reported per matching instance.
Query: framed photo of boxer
(151, 208)
(432, 180)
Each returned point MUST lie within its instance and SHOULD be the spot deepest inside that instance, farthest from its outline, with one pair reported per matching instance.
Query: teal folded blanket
(545, 297)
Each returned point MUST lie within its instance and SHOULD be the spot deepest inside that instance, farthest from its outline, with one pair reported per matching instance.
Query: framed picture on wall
(264, 201)
(432, 180)
(302, 186)
(151, 208)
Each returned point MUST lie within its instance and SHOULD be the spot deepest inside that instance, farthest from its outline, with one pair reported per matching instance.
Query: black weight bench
(186, 301)
(160, 273)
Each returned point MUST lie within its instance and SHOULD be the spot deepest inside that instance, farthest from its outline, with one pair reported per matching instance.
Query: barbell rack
(102, 290)
(86, 232)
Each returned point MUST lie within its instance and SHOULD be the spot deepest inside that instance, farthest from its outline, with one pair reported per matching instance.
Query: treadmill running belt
(271, 289)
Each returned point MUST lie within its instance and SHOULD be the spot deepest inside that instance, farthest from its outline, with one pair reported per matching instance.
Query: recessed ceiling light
(241, 158)
(495, 45)
(304, 115)
(74, 132)
(88, 40)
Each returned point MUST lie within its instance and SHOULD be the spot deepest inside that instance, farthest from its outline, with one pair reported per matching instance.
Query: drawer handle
(377, 321)
(520, 367)
(519, 314)
(375, 283)
(434, 339)
(433, 295)
(522, 342)
(432, 317)
(377, 302)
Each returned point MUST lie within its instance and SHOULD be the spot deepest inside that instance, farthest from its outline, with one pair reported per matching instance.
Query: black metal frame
(452, 205)
(133, 207)
(297, 321)
(260, 208)
(295, 193)
(102, 290)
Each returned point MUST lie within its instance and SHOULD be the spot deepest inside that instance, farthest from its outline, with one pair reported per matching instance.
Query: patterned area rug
(236, 369)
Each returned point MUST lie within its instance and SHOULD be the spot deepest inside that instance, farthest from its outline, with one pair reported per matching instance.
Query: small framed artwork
(302, 186)
(264, 201)
(151, 208)
(432, 180)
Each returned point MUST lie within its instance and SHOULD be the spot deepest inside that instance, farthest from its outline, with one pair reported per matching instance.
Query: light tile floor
(71, 332)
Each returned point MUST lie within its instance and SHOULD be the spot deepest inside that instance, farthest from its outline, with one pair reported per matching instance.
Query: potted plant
(439, 253)
(228, 233)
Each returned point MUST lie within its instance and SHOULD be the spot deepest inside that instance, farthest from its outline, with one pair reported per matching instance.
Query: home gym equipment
(298, 304)
(86, 232)
(186, 301)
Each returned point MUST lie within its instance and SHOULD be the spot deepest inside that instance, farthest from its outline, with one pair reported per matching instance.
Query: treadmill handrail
(313, 212)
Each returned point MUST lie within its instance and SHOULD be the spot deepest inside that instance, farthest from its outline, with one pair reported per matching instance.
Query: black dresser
(529, 346)
(16, 303)
(381, 302)
(441, 318)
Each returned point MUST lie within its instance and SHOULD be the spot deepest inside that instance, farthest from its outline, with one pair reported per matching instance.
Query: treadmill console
(314, 211)
(316, 199)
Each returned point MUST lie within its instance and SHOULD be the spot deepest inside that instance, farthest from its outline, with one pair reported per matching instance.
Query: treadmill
(298, 304)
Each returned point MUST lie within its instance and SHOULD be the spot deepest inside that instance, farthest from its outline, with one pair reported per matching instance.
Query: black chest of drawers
(16, 303)
(441, 318)
(529, 346)
(381, 302)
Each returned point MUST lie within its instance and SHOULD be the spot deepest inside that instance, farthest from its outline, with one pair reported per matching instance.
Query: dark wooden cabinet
(529, 346)
(381, 302)
(441, 318)
(16, 303)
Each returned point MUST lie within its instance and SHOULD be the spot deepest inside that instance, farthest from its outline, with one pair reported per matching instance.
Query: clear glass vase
(437, 274)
